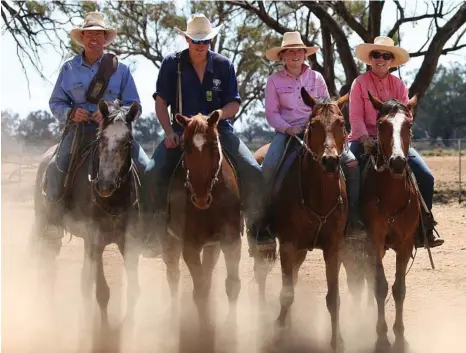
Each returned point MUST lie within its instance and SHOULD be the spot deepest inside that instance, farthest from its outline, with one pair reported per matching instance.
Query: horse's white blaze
(397, 123)
(199, 141)
(114, 133)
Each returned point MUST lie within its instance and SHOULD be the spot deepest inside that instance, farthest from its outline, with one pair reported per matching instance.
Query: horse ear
(307, 99)
(412, 103)
(132, 113)
(214, 117)
(181, 119)
(376, 103)
(342, 100)
(103, 108)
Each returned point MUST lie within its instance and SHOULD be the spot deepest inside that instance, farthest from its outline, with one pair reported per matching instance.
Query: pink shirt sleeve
(272, 108)
(356, 111)
(321, 86)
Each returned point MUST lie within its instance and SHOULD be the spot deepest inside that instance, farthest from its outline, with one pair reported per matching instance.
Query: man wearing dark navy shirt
(208, 83)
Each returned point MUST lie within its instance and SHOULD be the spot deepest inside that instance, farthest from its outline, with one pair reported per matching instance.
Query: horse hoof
(400, 346)
(337, 345)
(382, 345)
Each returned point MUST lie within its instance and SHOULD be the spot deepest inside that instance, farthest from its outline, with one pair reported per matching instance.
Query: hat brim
(401, 56)
(76, 34)
(200, 36)
(273, 54)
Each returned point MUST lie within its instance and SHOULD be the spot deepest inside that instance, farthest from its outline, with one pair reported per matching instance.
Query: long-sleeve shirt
(284, 106)
(362, 114)
(74, 79)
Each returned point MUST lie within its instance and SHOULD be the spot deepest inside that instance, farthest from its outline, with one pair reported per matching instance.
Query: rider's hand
(97, 116)
(368, 142)
(172, 140)
(294, 130)
(80, 114)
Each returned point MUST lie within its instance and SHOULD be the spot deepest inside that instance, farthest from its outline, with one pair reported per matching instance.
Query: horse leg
(287, 259)
(399, 293)
(131, 257)
(171, 256)
(210, 256)
(232, 253)
(88, 276)
(381, 290)
(332, 270)
(191, 255)
(262, 266)
(102, 289)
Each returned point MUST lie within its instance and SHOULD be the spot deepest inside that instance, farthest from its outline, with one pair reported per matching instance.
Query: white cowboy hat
(199, 28)
(93, 21)
(364, 50)
(291, 40)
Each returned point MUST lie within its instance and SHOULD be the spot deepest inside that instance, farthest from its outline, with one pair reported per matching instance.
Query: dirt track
(435, 306)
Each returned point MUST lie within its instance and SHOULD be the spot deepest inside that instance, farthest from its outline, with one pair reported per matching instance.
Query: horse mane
(391, 107)
(115, 113)
(325, 109)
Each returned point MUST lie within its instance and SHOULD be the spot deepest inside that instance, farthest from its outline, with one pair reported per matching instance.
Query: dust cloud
(34, 320)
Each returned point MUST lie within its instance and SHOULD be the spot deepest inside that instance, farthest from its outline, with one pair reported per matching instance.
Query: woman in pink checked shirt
(286, 112)
(381, 56)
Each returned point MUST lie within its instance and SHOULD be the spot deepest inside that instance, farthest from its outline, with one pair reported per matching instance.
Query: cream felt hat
(291, 40)
(364, 50)
(93, 21)
(199, 28)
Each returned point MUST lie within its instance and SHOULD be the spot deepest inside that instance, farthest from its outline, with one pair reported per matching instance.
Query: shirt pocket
(78, 93)
(286, 97)
(113, 90)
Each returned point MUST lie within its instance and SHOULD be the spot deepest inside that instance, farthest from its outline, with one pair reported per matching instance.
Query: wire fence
(24, 157)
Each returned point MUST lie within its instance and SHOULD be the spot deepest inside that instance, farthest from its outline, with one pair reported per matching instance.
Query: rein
(321, 219)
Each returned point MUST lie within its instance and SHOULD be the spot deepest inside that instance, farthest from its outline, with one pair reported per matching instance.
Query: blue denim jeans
(56, 177)
(156, 180)
(424, 176)
(348, 163)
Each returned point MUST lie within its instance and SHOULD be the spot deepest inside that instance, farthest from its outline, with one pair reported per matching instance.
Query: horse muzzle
(105, 189)
(397, 165)
(202, 203)
(330, 163)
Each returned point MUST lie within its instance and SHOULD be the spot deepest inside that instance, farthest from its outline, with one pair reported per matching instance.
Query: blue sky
(15, 95)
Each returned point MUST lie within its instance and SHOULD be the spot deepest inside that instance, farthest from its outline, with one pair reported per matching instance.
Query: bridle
(213, 181)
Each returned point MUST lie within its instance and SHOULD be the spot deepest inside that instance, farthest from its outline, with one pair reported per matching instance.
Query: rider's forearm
(161, 111)
(230, 110)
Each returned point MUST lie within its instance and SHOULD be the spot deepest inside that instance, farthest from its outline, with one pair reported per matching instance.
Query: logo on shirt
(217, 84)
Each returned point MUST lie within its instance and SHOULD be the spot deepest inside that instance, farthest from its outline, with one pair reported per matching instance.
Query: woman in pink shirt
(286, 112)
(381, 56)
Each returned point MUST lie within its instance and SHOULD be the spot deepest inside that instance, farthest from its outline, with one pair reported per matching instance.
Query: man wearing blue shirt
(208, 83)
(69, 102)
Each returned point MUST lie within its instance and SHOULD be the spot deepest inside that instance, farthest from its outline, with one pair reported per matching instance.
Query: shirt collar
(304, 68)
(82, 62)
(378, 78)
(210, 60)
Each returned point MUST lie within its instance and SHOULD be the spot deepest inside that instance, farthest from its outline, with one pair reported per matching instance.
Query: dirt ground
(435, 305)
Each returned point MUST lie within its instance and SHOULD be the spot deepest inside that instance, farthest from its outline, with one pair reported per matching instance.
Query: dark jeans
(56, 177)
(156, 180)
(421, 171)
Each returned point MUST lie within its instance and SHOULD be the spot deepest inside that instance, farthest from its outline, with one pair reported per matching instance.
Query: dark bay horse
(205, 213)
(99, 206)
(310, 211)
(390, 208)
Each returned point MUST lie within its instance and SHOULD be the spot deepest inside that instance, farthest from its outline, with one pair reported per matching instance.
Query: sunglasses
(385, 56)
(205, 42)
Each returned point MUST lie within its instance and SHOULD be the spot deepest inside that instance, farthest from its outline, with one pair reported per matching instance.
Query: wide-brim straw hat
(93, 21)
(363, 51)
(199, 28)
(291, 40)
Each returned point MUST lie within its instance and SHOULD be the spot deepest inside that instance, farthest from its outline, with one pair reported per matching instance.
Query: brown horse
(311, 208)
(390, 208)
(205, 213)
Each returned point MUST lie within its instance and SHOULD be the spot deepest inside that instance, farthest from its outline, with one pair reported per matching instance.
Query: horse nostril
(209, 200)
(397, 163)
(193, 199)
(324, 160)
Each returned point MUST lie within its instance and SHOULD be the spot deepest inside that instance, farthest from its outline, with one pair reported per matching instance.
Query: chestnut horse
(311, 208)
(390, 208)
(205, 215)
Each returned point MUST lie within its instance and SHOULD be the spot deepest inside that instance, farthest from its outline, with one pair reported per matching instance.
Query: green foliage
(38, 126)
(442, 111)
